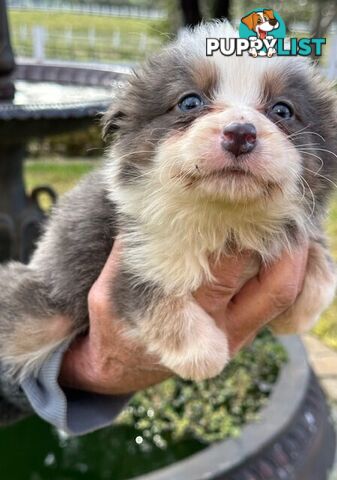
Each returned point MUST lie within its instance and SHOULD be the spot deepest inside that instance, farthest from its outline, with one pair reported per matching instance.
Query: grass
(83, 37)
(62, 175)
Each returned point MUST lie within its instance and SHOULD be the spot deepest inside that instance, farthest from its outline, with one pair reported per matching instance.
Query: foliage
(86, 143)
(210, 410)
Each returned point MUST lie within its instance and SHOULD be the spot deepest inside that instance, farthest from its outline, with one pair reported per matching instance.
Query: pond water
(32, 450)
(46, 93)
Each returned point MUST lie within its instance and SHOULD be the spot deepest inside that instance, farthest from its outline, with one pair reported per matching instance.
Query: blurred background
(124, 32)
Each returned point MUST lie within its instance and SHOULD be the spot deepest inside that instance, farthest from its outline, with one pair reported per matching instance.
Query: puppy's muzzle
(239, 138)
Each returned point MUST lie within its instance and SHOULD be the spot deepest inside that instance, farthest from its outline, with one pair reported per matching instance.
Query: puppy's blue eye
(190, 102)
(283, 110)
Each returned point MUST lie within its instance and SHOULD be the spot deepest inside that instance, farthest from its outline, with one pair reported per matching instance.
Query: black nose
(273, 22)
(239, 138)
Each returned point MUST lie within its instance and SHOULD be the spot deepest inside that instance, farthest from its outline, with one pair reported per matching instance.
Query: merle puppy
(211, 155)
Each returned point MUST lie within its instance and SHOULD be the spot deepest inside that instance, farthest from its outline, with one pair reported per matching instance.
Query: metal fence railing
(94, 9)
(88, 46)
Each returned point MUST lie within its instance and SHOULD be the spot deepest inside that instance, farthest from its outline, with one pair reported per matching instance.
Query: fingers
(228, 273)
(264, 297)
(111, 266)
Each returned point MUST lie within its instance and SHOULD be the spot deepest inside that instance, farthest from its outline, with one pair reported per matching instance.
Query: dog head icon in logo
(266, 25)
(261, 22)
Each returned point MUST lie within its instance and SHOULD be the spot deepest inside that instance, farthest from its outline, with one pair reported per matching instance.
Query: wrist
(82, 370)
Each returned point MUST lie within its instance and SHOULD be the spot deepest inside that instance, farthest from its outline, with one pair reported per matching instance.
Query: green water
(31, 450)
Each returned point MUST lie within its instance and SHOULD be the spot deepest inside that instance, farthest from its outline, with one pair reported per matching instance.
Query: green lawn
(62, 175)
(82, 37)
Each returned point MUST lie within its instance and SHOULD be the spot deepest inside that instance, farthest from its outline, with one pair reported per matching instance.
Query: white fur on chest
(174, 236)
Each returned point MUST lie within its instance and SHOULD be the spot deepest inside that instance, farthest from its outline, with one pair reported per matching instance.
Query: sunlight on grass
(58, 21)
(62, 175)
(86, 37)
(59, 174)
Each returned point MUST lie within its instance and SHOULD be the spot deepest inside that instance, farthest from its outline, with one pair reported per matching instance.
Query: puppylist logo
(262, 33)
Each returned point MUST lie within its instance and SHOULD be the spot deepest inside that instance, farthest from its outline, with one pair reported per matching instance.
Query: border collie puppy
(211, 155)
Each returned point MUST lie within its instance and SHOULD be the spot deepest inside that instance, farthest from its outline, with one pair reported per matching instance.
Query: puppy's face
(228, 129)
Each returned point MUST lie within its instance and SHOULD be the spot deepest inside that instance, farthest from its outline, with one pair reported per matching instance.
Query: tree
(191, 10)
(325, 15)
(221, 9)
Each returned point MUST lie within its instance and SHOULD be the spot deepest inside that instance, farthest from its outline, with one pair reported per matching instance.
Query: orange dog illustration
(261, 22)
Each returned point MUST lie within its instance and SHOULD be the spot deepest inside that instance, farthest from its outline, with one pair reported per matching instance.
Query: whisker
(316, 156)
(302, 132)
(325, 150)
(321, 176)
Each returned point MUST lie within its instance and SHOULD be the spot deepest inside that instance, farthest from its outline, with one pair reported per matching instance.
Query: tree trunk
(322, 23)
(221, 9)
(191, 12)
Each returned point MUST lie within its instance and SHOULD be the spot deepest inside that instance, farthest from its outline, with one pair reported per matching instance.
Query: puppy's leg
(30, 327)
(317, 294)
(171, 325)
(186, 338)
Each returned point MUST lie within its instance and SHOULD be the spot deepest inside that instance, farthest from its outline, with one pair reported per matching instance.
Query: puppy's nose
(273, 22)
(239, 138)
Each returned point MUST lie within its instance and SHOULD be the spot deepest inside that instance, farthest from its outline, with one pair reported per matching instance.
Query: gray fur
(77, 241)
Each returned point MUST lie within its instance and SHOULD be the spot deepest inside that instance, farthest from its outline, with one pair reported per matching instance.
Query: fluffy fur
(177, 198)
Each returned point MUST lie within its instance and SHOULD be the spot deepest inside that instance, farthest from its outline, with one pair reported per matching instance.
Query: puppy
(211, 156)
(261, 23)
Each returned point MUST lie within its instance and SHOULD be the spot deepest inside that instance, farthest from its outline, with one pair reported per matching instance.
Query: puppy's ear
(112, 122)
(269, 14)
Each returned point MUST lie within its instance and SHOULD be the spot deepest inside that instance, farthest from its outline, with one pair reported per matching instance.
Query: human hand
(106, 361)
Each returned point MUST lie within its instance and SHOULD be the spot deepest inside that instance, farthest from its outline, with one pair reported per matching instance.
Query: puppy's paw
(252, 52)
(271, 52)
(202, 357)
(317, 294)
(189, 342)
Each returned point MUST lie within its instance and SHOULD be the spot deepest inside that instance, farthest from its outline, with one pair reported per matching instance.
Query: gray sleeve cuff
(73, 411)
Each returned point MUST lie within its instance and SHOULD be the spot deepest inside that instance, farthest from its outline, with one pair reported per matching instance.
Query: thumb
(229, 275)
(100, 307)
